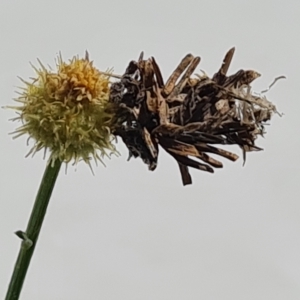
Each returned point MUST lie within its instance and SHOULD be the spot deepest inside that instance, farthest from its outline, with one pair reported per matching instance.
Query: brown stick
(176, 74)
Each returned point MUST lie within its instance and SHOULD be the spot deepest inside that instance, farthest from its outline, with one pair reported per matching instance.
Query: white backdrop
(128, 233)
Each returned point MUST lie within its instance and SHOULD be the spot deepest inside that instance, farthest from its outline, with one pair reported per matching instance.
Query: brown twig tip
(186, 116)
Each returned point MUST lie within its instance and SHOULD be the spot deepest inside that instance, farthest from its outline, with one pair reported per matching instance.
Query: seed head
(66, 111)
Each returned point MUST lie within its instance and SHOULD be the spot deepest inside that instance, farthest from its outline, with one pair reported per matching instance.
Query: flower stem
(31, 235)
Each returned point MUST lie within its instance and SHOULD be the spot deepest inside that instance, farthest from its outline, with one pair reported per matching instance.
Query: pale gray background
(127, 233)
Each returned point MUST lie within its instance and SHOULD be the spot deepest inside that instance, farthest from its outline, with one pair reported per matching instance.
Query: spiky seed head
(66, 111)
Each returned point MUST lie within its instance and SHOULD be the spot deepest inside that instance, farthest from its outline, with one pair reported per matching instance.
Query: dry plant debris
(188, 115)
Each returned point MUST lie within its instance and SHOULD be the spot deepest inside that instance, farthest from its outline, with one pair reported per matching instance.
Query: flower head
(188, 117)
(66, 111)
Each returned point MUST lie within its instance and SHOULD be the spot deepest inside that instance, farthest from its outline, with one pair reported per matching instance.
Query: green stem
(31, 235)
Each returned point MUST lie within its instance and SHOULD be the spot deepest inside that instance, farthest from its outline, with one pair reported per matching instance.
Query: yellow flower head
(67, 111)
